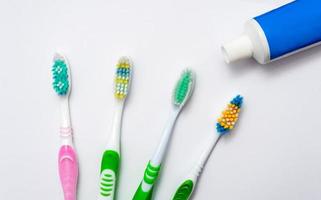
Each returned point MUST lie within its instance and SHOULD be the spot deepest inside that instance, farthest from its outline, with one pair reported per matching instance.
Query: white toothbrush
(225, 123)
(181, 94)
(109, 171)
(68, 164)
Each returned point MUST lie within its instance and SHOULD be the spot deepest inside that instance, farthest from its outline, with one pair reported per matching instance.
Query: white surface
(274, 153)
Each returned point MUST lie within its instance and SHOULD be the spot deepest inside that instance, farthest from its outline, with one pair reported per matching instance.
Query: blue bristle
(238, 100)
(122, 72)
(220, 129)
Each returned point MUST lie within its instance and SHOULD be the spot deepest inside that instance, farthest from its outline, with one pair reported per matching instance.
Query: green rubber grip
(184, 191)
(108, 181)
(150, 177)
(141, 195)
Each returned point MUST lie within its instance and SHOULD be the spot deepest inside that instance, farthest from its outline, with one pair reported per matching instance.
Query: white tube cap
(238, 49)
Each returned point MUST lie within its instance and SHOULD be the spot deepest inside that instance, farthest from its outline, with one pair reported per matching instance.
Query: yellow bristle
(229, 116)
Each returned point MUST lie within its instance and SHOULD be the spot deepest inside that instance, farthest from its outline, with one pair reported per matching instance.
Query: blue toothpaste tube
(276, 34)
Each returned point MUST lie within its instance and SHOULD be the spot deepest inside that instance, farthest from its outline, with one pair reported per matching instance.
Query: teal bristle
(183, 88)
(60, 77)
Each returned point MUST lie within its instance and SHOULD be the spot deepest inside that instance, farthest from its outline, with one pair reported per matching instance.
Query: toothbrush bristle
(229, 116)
(184, 88)
(60, 76)
(123, 76)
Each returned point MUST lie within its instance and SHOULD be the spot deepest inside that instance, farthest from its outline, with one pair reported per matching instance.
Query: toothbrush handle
(68, 171)
(185, 190)
(146, 187)
(143, 195)
(109, 174)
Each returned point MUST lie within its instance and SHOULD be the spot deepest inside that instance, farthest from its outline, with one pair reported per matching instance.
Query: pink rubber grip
(68, 171)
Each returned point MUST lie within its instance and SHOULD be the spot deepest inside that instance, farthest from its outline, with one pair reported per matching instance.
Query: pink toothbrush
(67, 161)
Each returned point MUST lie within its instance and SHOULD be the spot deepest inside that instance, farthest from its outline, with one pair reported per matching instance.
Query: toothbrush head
(184, 88)
(123, 78)
(61, 75)
(229, 116)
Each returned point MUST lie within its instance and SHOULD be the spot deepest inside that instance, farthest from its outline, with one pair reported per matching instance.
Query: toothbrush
(67, 159)
(110, 163)
(181, 94)
(225, 123)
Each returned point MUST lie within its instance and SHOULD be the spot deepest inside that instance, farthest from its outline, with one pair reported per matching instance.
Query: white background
(274, 153)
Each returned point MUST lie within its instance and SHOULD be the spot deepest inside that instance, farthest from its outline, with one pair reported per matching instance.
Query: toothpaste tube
(279, 33)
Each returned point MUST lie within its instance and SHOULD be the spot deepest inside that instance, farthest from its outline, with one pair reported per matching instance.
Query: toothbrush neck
(65, 113)
(65, 126)
(206, 154)
(114, 140)
(161, 149)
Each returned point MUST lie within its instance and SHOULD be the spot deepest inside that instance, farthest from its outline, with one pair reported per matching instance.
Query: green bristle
(183, 87)
(60, 77)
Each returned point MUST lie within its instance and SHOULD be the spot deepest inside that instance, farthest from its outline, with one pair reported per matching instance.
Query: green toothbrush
(181, 94)
(225, 123)
(110, 163)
